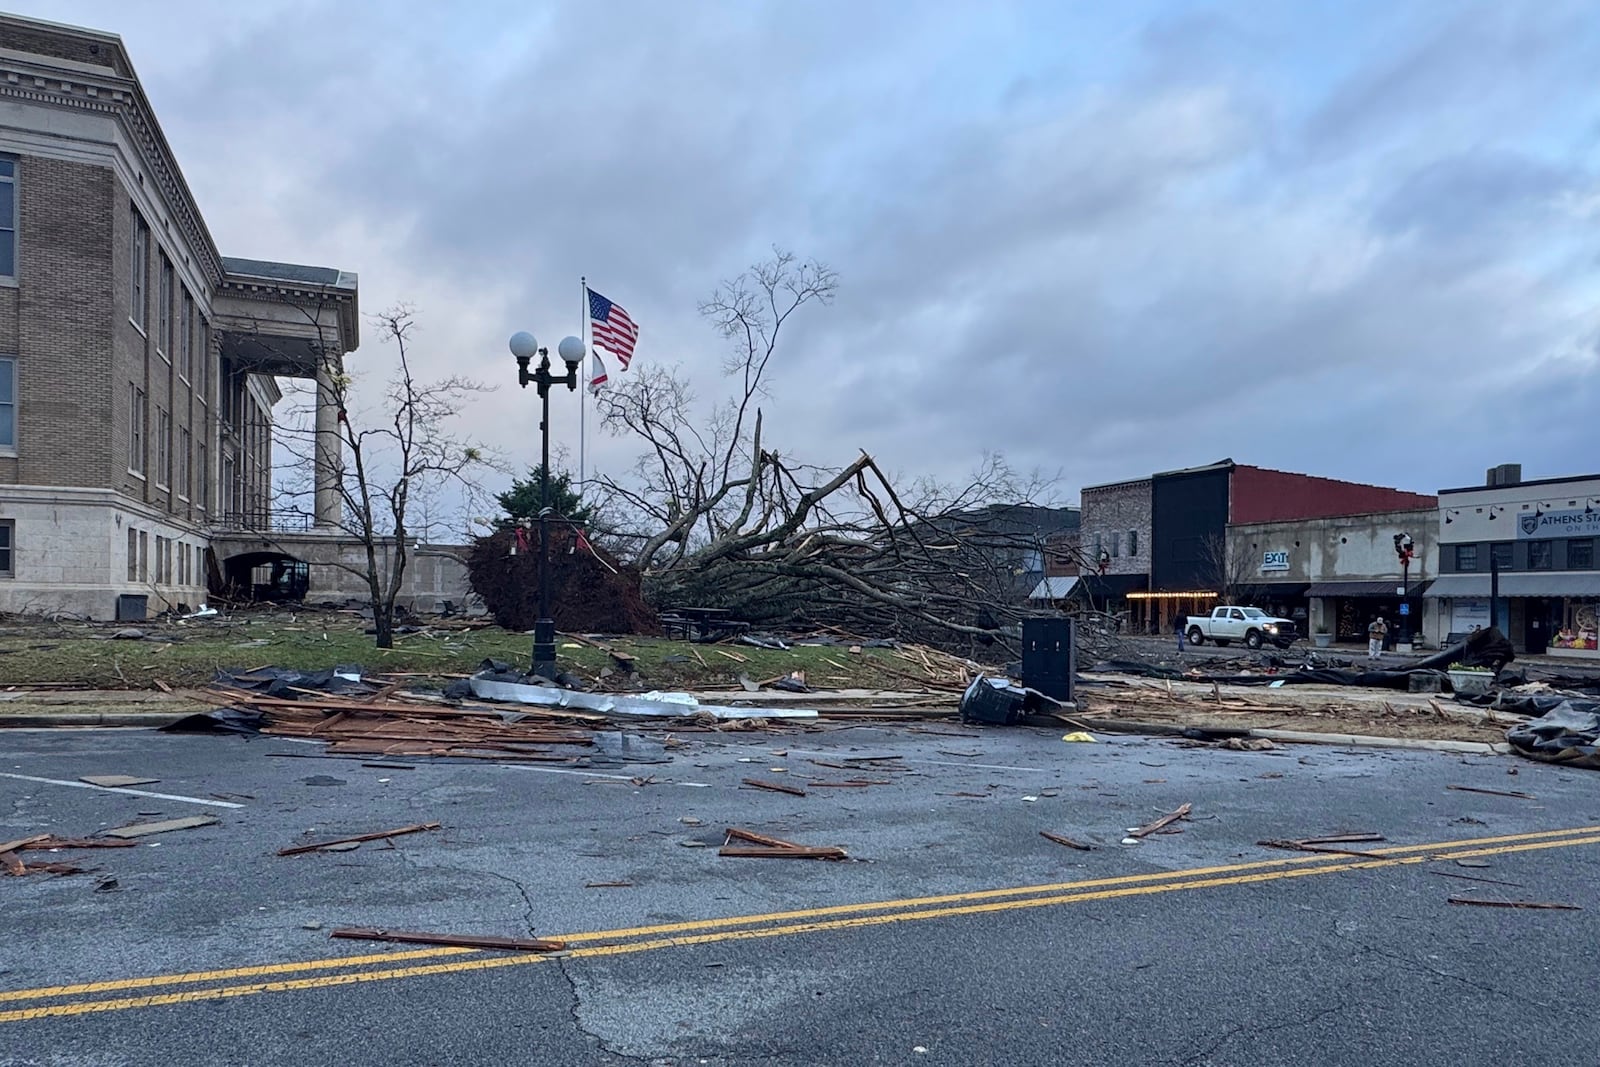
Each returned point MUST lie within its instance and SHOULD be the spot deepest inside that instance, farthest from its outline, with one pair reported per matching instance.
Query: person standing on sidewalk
(1377, 630)
(1179, 622)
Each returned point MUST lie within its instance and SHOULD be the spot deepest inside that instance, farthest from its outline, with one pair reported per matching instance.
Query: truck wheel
(1252, 640)
(1196, 638)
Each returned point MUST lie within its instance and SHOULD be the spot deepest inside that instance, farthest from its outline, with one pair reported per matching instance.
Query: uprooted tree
(715, 515)
(385, 463)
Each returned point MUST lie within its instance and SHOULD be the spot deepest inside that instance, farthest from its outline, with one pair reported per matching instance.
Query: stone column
(329, 453)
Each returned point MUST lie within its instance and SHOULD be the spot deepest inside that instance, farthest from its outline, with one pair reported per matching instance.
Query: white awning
(1522, 583)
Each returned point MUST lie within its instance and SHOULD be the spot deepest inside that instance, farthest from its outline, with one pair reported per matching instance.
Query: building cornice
(45, 80)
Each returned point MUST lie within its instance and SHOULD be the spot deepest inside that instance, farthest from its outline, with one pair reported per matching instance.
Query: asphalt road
(955, 935)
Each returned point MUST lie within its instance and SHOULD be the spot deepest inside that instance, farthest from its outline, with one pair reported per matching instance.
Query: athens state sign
(1533, 525)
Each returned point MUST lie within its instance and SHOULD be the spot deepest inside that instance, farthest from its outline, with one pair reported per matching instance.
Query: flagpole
(583, 402)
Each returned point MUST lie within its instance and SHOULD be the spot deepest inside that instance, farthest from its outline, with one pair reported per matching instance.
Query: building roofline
(145, 134)
(1219, 465)
(1115, 485)
(1524, 484)
(1421, 509)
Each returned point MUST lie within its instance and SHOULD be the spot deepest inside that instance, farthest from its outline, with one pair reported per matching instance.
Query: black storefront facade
(1188, 526)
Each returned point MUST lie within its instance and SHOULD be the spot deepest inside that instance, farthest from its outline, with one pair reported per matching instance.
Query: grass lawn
(187, 654)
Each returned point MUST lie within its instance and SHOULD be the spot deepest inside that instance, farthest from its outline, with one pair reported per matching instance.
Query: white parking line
(597, 774)
(123, 789)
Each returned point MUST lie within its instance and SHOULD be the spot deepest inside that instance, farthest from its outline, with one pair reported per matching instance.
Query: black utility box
(1050, 656)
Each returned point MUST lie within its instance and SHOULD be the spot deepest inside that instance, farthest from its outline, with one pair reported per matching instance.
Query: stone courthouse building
(138, 364)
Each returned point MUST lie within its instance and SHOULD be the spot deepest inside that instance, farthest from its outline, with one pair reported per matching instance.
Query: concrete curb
(149, 719)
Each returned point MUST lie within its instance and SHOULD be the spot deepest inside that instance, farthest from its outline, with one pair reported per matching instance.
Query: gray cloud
(1105, 242)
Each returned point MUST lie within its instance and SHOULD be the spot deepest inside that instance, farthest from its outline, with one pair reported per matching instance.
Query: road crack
(1247, 1028)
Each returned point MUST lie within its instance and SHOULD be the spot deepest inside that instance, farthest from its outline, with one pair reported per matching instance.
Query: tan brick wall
(1112, 513)
(59, 322)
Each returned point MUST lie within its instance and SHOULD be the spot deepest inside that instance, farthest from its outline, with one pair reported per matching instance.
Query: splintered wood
(403, 728)
(775, 848)
(1163, 822)
(516, 944)
(381, 835)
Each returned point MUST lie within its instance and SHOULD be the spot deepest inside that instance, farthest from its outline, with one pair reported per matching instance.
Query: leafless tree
(1228, 573)
(398, 461)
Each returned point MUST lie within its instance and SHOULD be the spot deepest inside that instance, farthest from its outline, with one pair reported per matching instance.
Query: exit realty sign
(1274, 561)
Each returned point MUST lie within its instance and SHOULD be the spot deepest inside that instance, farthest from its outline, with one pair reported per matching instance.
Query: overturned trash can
(994, 700)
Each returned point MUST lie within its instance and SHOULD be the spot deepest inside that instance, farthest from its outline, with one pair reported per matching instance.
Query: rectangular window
(144, 556)
(161, 560)
(138, 270)
(199, 565)
(8, 529)
(204, 381)
(133, 554)
(1501, 555)
(138, 414)
(1116, 545)
(1099, 546)
(225, 502)
(8, 218)
(185, 478)
(1133, 542)
(186, 338)
(1580, 555)
(183, 563)
(8, 405)
(1466, 557)
(1541, 555)
(164, 310)
(204, 496)
(163, 446)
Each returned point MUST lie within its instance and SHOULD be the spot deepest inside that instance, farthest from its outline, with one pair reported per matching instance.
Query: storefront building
(1114, 543)
(1335, 574)
(1521, 556)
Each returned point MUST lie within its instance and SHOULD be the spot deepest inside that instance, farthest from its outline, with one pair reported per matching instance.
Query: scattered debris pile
(1568, 733)
(590, 590)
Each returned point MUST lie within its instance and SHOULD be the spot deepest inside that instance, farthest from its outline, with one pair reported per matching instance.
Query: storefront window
(1541, 555)
(1466, 557)
(1501, 554)
(1581, 629)
(1580, 555)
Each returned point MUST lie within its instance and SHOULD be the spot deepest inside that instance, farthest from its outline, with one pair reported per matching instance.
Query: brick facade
(1116, 519)
(1257, 494)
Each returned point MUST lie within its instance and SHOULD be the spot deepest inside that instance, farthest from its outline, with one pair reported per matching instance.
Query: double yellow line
(87, 997)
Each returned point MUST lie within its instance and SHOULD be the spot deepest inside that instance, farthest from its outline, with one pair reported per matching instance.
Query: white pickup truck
(1251, 625)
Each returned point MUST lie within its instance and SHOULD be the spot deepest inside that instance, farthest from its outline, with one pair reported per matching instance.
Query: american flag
(612, 329)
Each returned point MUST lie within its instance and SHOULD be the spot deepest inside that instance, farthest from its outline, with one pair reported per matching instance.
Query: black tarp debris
(218, 721)
(1482, 648)
(1568, 734)
(283, 683)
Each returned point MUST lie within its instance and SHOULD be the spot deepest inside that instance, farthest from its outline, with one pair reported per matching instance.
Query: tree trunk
(383, 624)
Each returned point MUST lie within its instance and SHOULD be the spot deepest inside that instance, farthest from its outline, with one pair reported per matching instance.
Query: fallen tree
(714, 516)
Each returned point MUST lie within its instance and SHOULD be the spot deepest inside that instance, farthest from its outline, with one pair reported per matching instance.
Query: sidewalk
(96, 707)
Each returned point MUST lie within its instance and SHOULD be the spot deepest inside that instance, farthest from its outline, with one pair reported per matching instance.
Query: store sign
(1274, 561)
(1469, 615)
(1532, 525)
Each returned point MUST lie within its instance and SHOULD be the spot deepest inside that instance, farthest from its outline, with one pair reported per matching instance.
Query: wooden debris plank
(23, 842)
(74, 842)
(776, 787)
(358, 838)
(1306, 846)
(799, 852)
(731, 655)
(1163, 822)
(1341, 839)
(1541, 905)
(518, 944)
(13, 863)
(1062, 839)
(759, 839)
(147, 828)
(1492, 792)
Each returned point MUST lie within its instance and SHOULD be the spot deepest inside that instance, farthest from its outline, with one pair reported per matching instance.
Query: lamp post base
(544, 648)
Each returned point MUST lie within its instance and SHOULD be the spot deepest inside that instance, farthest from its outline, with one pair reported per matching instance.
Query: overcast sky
(1353, 239)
